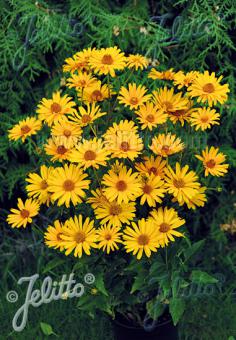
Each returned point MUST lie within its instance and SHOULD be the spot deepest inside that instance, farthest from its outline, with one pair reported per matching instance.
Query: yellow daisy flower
(123, 126)
(203, 118)
(90, 153)
(182, 79)
(59, 148)
(51, 110)
(23, 215)
(166, 145)
(181, 183)
(153, 190)
(168, 101)
(68, 130)
(52, 236)
(25, 128)
(150, 116)
(166, 221)
(108, 237)
(98, 199)
(212, 162)
(183, 115)
(67, 184)
(123, 187)
(87, 116)
(95, 93)
(141, 238)
(152, 165)
(79, 61)
(107, 61)
(114, 214)
(134, 96)
(208, 88)
(38, 184)
(79, 236)
(198, 200)
(136, 61)
(80, 80)
(163, 75)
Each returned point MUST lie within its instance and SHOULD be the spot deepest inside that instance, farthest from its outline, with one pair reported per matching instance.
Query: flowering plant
(116, 176)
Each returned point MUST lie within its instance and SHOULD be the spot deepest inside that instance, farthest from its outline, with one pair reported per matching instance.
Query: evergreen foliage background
(35, 39)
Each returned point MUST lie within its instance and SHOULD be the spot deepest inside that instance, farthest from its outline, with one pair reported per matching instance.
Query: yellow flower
(208, 88)
(52, 236)
(141, 238)
(95, 93)
(166, 221)
(198, 200)
(181, 115)
(79, 61)
(87, 116)
(81, 80)
(136, 61)
(166, 100)
(164, 75)
(98, 199)
(166, 145)
(114, 214)
(181, 79)
(150, 116)
(203, 118)
(51, 110)
(23, 215)
(107, 61)
(212, 162)
(79, 236)
(151, 165)
(108, 237)
(59, 148)
(90, 153)
(123, 187)
(25, 128)
(69, 130)
(38, 184)
(134, 96)
(123, 126)
(67, 184)
(181, 183)
(153, 190)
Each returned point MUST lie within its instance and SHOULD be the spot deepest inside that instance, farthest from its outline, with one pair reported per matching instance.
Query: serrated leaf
(155, 308)
(53, 264)
(199, 276)
(46, 328)
(100, 285)
(193, 249)
(177, 307)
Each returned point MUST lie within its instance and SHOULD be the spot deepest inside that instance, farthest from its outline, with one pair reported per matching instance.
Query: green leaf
(99, 283)
(177, 307)
(138, 283)
(53, 264)
(46, 328)
(155, 308)
(199, 276)
(193, 249)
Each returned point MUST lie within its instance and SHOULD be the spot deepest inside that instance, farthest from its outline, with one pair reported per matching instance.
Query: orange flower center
(178, 183)
(25, 129)
(89, 155)
(211, 163)
(121, 185)
(204, 119)
(82, 83)
(79, 237)
(67, 133)
(143, 240)
(59, 237)
(124, 146)
(68, 185)
(134, 100)
(147, 189)
(24, 213)
(209, 88)
(96, 95)
(168, 106)
(178, 113)
(150, 118)
(107, 59)
(55, 108)
(164, 227)
(108, 237)
(86, 119)
(153, 170)
(115, 210)
(165, 148)
(43, 185)
(61, 150)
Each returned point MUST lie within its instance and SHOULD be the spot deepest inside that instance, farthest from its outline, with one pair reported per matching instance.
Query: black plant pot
(164, 329)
